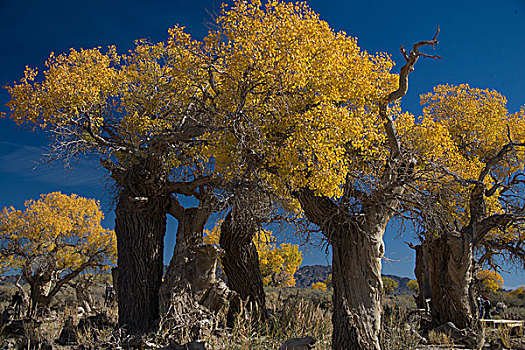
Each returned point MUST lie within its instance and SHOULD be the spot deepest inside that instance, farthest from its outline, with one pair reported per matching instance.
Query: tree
(413, 286)
(138, 113)
(276, 263)
(489, 281)
(389, 285)
(279, 74)
(54, 240)
(318, 285)
(474, 211)
(308, 114)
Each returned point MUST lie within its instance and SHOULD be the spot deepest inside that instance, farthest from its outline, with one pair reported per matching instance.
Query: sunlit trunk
(356, 278)
(450, 268)
(140, 226)
(241, 266)
(181, 269)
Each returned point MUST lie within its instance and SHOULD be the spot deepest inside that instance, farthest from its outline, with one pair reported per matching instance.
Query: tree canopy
(273, 98)
(299, 101)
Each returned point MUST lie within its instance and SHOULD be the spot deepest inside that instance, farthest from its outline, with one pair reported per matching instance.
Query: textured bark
(357, 249)
(357, 288)
(38, 295)
(39, 275)
(182, 268)
(140, 226)
(450, 267)
(186, 294)
(451, 261)
(422, 275)
(83, 295)
(241, 266)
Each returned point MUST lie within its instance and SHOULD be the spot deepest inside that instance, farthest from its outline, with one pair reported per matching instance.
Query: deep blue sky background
(482, 43)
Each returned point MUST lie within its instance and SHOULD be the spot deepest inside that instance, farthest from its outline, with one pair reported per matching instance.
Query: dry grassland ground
(294, 313)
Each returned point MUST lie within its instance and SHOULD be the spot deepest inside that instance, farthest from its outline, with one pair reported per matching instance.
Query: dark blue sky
(482, 43)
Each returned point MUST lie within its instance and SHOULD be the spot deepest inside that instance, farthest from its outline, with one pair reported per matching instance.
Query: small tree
(389, 285)
(52, 241)
(413, 286)
(318, 285)
(489, 281)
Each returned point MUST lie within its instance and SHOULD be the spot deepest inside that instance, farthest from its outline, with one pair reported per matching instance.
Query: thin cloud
(26, 161)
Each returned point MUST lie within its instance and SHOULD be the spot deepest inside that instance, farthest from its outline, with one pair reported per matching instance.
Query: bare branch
(188, 188)
(490, 223)
(175, 209)
(411, 60)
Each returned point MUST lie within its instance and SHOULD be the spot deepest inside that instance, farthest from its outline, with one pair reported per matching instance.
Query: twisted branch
(411, 59)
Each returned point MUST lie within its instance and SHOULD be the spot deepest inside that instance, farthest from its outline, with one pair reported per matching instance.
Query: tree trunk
(38, 297)
(190, 273)
(357, 249)
(450, 267)
(181, 270)
(356, 278)
(241, 266)
(422, 275)
(140, 226)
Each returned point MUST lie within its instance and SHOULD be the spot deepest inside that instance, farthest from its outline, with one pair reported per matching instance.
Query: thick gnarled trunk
(140, 226)
(357, 249)
(241, 266)
(422, 273)
(450, 269)
(39, 295)
(181, 270)
(357, 288)
(188, 289)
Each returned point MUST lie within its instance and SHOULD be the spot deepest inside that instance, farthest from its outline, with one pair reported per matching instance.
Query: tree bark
(39, 275)
(140, 226)
(422, 273)
(181, 270)
(357, 249)
(450, 269)
(356, 261)
(241, 266)
(38, 297)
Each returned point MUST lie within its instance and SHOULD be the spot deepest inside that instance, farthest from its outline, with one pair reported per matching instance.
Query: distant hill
(11, 279)
(307, 275)
(402, 287)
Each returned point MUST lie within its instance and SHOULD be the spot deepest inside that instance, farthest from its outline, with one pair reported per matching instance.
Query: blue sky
(481, 42)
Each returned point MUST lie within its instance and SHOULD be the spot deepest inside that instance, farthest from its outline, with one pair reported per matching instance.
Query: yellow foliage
(286, 99)
(65, 229)
(490, 280)
(282, 92)
(277, 264)
(389, 285)
(294, 93)
(318, 285)
(462, 129)
(114, 104)
(413, 286)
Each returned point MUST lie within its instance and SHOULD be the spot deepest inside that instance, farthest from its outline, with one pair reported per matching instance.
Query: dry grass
(292, 313)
